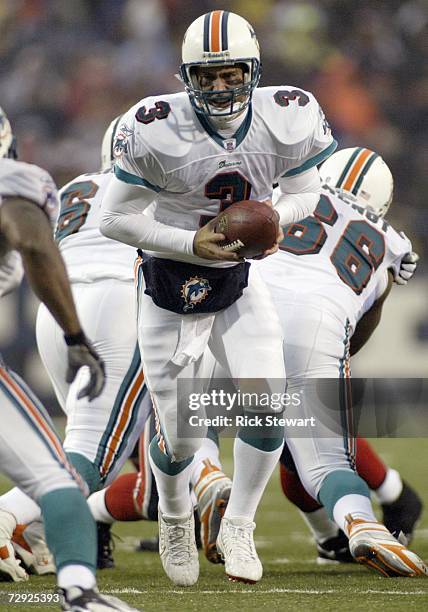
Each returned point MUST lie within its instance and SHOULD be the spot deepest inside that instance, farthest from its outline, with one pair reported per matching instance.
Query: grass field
(292, 580)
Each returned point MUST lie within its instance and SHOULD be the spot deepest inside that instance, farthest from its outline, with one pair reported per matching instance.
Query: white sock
(23, 508)
(209, 451)
(358, 506)
(252, 471)
(173, 491)
(98, 507)
(75, 575)
(321, 527)
(390, 490)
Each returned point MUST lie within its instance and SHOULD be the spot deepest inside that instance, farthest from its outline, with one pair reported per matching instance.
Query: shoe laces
(180, 542)
(243, 543)
(106, 543)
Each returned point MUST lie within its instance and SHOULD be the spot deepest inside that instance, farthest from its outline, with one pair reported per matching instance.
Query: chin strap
(229, 124)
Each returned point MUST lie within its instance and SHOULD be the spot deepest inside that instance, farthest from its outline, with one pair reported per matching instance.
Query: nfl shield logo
(229, 144)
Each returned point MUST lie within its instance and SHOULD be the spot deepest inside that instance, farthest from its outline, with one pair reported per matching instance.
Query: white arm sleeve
(122, 220)
(297, 196)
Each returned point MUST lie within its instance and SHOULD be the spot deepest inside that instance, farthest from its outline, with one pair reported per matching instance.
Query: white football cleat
(10, 566)
(373, 545)
(30, 546)
(177, 548)
(212, 492)
(76, 599)
(235, 543)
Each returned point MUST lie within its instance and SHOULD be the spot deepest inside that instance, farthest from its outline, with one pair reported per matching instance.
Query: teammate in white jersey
(184, 158)
(31, 453)
(329, 281)
(100, 435)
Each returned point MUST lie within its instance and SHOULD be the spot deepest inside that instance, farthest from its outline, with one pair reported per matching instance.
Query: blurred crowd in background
(68, 67)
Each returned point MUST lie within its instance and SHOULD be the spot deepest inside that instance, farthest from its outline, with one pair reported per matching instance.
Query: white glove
(11, 272)
(407, 268)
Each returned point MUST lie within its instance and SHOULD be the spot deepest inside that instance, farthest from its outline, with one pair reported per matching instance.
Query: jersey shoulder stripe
(313, 161)
(132, 179)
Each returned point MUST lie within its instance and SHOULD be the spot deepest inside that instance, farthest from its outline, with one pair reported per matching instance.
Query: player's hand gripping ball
(250, 227)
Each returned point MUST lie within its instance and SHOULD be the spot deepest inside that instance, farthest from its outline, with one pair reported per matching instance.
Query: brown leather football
(250, 227)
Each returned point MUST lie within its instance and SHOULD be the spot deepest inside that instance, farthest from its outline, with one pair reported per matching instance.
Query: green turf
(292, 580)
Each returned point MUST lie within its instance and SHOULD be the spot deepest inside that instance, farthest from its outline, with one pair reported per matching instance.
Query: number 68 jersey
(342, 252)
(196, 172)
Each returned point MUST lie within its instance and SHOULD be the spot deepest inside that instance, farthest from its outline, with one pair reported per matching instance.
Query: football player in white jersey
(99, 437)
(329, 281)
(31, 453)
(100, 434)
(184, 158)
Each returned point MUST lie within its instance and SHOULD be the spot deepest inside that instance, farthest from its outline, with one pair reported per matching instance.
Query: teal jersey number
(228, 187)
(74, 208)
(359, 251)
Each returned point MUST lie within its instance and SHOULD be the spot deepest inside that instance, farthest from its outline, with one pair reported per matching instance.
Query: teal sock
(212, 434)
(163, 461)
(70, 529)
(172, 480)
(87, 470)
(339, 483)
(262, 436)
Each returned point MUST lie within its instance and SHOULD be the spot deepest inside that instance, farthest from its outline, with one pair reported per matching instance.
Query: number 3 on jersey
(74, 208)
(228, 187)
(358, 252)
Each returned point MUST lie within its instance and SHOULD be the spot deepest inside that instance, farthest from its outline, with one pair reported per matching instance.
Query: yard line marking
(125, 590)
(266, 591)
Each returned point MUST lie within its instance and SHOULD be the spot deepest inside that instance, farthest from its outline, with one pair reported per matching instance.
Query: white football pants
(31, 453)
(245, 339)
(316, 351)
(105, 430)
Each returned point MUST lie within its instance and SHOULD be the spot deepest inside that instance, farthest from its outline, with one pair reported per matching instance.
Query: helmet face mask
(7, 139)
(225, 102)
(215, 41)
(360, 175)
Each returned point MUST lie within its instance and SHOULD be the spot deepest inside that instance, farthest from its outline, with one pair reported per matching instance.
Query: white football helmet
(7, 139)
(107, 146)
(220, 38)
(362, 173)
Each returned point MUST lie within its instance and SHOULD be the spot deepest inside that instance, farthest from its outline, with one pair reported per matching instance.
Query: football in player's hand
(250, 227)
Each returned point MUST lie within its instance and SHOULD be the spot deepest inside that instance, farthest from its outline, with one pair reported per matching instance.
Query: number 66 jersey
(337, 257)
(164, 146)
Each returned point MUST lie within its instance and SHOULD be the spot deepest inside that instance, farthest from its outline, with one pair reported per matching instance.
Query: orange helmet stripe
(215, 31)
(355, 169)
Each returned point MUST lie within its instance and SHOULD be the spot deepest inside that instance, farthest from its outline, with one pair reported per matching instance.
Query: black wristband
(73, 339)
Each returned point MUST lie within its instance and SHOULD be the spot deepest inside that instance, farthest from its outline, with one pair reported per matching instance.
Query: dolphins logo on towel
(194, 291)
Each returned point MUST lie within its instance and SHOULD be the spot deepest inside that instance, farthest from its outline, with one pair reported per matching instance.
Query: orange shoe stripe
(4, 552)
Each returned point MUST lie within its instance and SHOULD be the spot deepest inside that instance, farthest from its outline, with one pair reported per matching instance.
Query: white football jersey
(87, 253)
(342, 252)
(163, 145)
(22, 180)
